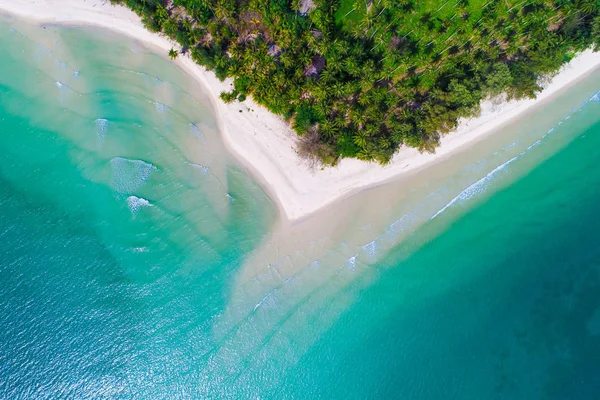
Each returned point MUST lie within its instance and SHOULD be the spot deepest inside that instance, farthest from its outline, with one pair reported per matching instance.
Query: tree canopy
(362, 78)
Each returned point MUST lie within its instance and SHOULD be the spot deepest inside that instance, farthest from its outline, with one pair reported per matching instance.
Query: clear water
(137, 260)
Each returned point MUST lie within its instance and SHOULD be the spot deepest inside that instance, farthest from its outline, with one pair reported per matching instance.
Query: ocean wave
(44, 49)
(370, 250)
(401, 225)
(139, 250)
(196, 132)
(64, 91)
(510, 146)
(136, 203)
(202, 168)
(350, 263)
(60, 64)
(477, 188)
(129, 175)
(149, 80)
(534, 144)
(101, 129)
(480, 185)
(160, 107)
(264, 299)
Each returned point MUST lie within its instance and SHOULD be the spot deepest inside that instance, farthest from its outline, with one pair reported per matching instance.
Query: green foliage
(460, 97)
(596, 33)
(306, 117)
(229, 97)
(170, 28)
(204, 57)
(497, 79)
(151, 24)
(359, 78)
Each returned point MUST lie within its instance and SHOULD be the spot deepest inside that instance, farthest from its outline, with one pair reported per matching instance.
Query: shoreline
(264, 143)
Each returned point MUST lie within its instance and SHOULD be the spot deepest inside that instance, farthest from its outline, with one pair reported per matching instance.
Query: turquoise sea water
(132, 252)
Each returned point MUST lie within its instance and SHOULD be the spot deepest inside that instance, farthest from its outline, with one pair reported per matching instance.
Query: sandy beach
(264, 143)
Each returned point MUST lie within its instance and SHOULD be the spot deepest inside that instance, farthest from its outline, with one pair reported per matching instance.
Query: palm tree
(173, 54)
(161, 15)
(328, 129)
(588, 7)
(305, 57)
(359, 119)
(334, 63)
(338, 89)
(360, 139)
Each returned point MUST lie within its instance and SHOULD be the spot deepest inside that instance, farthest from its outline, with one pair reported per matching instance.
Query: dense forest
(359, 78)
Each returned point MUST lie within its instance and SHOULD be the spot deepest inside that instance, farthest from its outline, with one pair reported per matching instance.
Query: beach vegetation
(359, 78)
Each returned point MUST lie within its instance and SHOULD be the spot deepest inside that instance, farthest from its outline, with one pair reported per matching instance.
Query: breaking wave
(481, 185)
(196, 132)
(136, 203)
(202, 168)
(160, 107)
(101, 129)
(129, 175)
(139, 250)
(476, 188)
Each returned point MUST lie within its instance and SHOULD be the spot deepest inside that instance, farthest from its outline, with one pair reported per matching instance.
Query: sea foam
(139, 250)
(202, 168)
(160, 107)
(136, 203)
(477, 188)
(129, 175)
(370, 250)
(350, 263)
(481, 185)
(101, 129)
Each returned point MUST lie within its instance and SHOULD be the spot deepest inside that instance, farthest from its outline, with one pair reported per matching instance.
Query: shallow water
(138, 260)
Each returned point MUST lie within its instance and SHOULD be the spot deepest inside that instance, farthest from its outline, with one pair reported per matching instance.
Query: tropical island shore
(265, 144)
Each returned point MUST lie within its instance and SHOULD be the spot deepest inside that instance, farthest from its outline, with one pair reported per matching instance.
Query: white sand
(263, 142)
